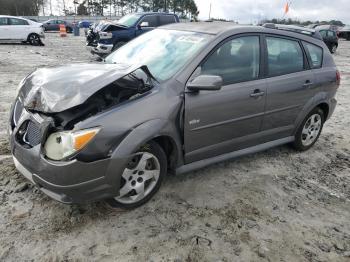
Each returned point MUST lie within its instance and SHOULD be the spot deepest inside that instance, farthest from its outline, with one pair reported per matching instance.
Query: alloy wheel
(139, 178)
(34, 39)
(311, 129)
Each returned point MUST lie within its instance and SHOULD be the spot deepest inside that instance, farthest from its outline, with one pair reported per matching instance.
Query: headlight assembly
(64, 144)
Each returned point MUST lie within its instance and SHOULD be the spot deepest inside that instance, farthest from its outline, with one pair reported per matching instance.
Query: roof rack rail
(297, 29)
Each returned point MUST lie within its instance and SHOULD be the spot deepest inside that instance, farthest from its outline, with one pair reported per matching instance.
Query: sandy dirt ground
(277, 205)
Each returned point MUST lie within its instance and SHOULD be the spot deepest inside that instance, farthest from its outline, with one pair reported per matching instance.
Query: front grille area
(26, 126)
(33, 134)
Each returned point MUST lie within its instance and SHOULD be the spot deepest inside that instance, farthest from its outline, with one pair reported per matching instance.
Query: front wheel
(141, 178)
(34, 39)
(310, 130)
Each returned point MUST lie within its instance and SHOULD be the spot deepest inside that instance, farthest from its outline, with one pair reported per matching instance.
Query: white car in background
(13, 28)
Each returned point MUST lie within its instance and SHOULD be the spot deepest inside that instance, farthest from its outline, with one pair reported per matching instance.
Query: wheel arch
(32, 33)
(170, 148)
(159, 130)
(320, 100)
(325, 108)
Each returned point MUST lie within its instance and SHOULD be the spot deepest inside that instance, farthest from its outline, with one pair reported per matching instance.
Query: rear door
(19, 28)
(218, 122)
(290, 85)
(4, 28)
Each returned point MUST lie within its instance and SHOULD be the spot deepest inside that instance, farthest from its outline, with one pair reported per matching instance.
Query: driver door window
(151, 19)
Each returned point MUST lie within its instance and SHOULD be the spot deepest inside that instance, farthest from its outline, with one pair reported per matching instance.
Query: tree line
(184, 8)
(290, 21)
(20, 7)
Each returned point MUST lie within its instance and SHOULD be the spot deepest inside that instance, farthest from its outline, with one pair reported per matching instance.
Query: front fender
(132, 142)
(143, 133)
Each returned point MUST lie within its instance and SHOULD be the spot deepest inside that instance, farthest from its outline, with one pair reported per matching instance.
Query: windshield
(164, 52)
(128, 20)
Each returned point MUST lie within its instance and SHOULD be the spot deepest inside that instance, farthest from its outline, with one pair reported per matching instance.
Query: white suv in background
(14, 28)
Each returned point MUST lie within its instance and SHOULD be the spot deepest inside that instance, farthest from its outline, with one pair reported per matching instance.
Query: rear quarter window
(315, 54)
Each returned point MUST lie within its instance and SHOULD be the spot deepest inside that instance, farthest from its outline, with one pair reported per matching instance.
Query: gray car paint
(231, 122)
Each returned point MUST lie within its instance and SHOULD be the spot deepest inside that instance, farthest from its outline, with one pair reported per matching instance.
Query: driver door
(218, 122)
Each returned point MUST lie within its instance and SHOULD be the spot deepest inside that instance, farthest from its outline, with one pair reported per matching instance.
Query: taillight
(338, 77)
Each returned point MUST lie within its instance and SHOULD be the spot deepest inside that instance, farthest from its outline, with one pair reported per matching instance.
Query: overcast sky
(250, 11)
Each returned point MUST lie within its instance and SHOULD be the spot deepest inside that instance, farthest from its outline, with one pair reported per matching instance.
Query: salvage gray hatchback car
(172, 100)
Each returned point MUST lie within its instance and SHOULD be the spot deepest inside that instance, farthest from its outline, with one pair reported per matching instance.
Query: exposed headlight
(64, 144)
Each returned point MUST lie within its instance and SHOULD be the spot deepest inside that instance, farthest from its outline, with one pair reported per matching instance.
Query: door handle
(257, 93)
(307, 84)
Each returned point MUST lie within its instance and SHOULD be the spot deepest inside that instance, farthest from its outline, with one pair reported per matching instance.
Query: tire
(34, 39)
(147, 180)
(118, 45)
(69, 30)
(310, 130)
(333, 48)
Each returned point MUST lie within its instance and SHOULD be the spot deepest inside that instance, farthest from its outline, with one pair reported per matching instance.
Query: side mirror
(144, 24)
(205, 82)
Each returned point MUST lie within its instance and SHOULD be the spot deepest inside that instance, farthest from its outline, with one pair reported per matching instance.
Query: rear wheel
(141, 178)
(310, 130)
(34, 39)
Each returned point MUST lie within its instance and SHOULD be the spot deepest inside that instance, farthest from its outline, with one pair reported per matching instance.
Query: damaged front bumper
(70, 181)
(67, 192)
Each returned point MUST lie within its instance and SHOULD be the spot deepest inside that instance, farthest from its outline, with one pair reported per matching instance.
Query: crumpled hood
(55, 89)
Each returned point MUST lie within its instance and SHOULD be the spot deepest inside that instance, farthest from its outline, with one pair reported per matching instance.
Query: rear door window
(315, 55)
(323, 33)
(166, 19)
(3, 21)
(15, 21)
(284, 56)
